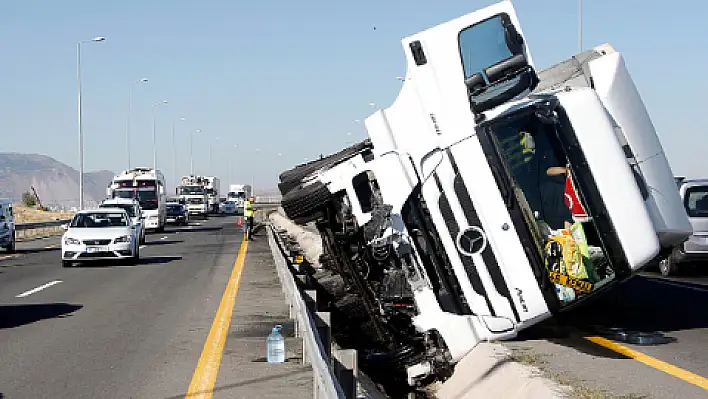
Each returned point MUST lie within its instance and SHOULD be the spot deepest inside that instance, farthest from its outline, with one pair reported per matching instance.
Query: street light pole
(230, 166)
(191, 152)
(80, 125)
(580, 26)
(174, 151)
(211, 165)
(253, 177)
(154, 133)
(130, 110)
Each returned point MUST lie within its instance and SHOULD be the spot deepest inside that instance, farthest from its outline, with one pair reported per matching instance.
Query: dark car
(177, 214)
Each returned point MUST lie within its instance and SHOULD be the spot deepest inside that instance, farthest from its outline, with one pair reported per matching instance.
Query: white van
(7, 225)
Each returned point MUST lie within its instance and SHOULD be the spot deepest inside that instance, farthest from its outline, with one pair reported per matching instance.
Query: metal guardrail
(334, 372)
(273, 199)
(34, 230)
(40, 225)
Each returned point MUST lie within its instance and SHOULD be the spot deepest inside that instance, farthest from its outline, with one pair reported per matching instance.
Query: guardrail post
(323, 322)
(346, 369)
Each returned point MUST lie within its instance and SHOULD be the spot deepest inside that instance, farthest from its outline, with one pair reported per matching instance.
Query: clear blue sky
(292, 77)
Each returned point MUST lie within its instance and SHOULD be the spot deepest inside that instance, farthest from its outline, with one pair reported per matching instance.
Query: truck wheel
(66, 263)
(668, 266)
(11, 246)
(302, 204)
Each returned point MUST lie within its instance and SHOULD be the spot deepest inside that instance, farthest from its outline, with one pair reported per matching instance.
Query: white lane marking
(163, 238)
(40, 288)
(143, 246)
(197, 224)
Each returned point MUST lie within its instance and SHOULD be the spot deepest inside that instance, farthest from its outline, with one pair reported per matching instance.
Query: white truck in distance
(147, 185)
(213, 188)
(237, 194)
(480, 176)
(193, 190)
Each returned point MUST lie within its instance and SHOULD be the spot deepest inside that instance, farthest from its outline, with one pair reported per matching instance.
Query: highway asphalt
(107, 330)
(590, 347)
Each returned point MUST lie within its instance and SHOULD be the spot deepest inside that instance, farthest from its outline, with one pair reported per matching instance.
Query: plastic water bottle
(276, 346)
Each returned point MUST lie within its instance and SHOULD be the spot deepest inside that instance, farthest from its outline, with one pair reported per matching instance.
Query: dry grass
(579, 389)
(24, 214)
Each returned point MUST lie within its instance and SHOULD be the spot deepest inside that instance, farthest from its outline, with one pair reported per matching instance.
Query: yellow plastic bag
(572, 264)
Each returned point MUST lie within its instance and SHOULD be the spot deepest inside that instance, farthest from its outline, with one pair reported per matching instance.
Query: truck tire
(297, 173)
(11, 246)
(286, 186)
(302, 205)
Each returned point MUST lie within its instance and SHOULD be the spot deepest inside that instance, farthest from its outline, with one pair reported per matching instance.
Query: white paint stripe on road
(163, 238)
(40, 288)
(143, 246)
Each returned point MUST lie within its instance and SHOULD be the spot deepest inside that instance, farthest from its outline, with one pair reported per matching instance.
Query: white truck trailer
(213, 187)
(193, 189)
(237, 194)
(147, 185)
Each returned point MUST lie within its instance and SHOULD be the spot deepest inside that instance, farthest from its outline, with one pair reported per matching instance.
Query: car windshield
(128, 208)
(99, 219)
(195, 200)
(174, 207)
(696, 201)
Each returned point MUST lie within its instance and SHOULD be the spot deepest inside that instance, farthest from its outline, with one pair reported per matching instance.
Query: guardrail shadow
(12, 316)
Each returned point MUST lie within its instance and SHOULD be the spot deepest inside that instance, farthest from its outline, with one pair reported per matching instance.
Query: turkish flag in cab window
(572, 201)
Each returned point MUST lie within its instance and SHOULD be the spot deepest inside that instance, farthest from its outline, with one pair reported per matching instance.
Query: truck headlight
(121, 239)
(71, 241)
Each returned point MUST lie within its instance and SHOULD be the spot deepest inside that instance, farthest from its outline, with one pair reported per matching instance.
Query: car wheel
(668, 266)
(136, 258)
(11, 247)
(66, 263)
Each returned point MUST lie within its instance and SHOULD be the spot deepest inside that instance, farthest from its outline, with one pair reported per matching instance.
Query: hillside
(57, 184)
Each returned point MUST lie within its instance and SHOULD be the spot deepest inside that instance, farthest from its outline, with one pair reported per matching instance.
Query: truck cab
(8, 238)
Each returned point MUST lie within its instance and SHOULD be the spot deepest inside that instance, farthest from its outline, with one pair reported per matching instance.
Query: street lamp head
(142, 80)
(181, 119)
(98, 39)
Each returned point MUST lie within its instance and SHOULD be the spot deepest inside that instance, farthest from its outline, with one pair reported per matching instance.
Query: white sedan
(105, 233)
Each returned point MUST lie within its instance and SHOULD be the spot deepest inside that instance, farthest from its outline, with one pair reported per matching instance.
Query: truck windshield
(128, 208)
(541, 188)
(191, 190)
(696, 201)
(233, 194)
(147, 198)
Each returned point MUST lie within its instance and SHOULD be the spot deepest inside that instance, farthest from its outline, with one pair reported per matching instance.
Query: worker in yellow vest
(248, 212)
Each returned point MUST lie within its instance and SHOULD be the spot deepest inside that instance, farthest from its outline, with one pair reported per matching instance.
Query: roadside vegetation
(28, 214)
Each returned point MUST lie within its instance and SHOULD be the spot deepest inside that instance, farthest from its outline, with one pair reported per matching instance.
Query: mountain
(56, 183)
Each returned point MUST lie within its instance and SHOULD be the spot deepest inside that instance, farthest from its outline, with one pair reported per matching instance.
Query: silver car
(694, 193)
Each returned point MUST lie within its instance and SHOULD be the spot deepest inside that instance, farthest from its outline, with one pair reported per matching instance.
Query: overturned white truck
(489, 196)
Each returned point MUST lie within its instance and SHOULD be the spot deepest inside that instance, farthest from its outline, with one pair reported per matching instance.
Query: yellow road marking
(202, 385)
(9, 256)
(677, 372)
(52, 246)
